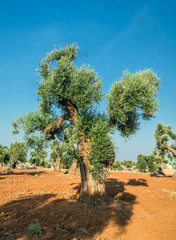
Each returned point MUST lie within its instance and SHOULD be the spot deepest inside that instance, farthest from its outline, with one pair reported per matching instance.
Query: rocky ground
(144, 207)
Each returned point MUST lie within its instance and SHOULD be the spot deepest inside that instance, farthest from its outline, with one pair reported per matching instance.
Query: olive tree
(64, 153)
(148, 162)
(141, 163)
(117, 165)
(164, 135)
(75, 90)
(18, 153)
(37, 144)
(4, 154)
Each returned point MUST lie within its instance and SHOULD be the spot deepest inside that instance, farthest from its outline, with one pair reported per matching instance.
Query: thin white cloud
(139, 18)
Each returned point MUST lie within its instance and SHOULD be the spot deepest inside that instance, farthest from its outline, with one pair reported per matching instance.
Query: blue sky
(113, 35)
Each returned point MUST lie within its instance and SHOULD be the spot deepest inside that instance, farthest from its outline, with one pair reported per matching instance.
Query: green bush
(128, 163)
(34, 228)
(102, 148)
(117, 166)
(148, 162)
(141, 163)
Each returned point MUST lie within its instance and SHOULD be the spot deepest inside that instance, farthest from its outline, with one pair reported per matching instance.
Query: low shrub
(34, 228)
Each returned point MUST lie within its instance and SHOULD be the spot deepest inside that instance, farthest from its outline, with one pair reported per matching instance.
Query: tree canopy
(165, 141)
(18, 153)
(4, 154)
(131, 97)
(148, 162)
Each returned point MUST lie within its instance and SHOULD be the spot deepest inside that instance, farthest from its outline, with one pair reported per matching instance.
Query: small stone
(81, 229)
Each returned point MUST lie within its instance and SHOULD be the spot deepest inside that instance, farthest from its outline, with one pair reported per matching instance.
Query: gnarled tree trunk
(163, 165)
(57, 163)
(91, 191)
(73, 168)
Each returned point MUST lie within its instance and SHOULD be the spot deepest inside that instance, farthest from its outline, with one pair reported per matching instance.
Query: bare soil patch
(144, 207)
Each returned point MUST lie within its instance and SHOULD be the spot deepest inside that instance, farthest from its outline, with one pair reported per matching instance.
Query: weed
(169, 191)
(34, 228)
(117, 198)
(47, 234)
(122, 203)
(60, 229)
(39, 191)
(19, 194)
(91, 207)
(173, 194)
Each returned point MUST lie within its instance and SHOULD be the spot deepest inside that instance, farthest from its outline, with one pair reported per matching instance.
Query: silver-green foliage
(33, 121)
(163, 135)
(131, 97)
(117, 165)
(102, 148)
(62, 79)
(4, 154)
(17, 152)
(34, 228)
(148, 162)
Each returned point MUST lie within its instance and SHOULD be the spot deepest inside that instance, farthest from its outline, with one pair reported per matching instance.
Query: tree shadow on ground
(139, 182)
(33, 173)
(157, 175)
(1, 178)
(66, 218)
(113, 187)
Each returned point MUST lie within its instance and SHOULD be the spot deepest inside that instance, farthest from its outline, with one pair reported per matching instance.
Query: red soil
(145, 207)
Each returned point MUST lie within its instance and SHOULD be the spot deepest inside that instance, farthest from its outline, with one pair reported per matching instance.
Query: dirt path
(145, 207)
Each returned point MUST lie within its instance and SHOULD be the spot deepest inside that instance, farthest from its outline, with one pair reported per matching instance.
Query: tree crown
(62, 80)
(131, 97)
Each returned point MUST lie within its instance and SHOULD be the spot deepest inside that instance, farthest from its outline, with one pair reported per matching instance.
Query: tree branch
(52, 128)
(71, 109)
(112, 121)
(172, 150)
(72, 114)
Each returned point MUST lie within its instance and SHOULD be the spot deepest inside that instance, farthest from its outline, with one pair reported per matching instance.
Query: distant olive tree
(164, 135)
(117, 165)
(148, 162)
(62, 155)
(4, 155)
(18, 153)
(128, 163)
(141, 163)
(37, 146)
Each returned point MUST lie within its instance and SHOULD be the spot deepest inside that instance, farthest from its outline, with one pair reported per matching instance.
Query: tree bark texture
(72, 115)
(73, 168)
(173, 151)
(91, 191)
(57, 163)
